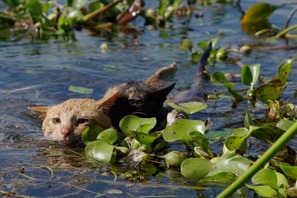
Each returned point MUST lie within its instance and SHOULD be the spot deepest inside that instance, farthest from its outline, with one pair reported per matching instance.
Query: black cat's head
(139, 99)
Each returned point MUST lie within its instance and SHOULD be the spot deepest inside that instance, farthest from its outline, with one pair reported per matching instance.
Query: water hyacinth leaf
(195, 168)
(284, 70)
(109, 135)
(13, 3)
(195, 56)
(250, 74)
(90, 133)
(204, 44)
(218, 78)
(266, 177)
(230, 162)
(162, 6)
(269, 91)
(263, 191)
(220, 178)
(99, 150)
(290, 171)
(131, 123)
(34, 8)
(236, 139)
(235, 95)
(188, 107)
(258, 12)
(174, 158)
(267, 132)
(200, 142)
(284, 124)
(181, 129)
(81, 90)
(282, 181)
(144, 138)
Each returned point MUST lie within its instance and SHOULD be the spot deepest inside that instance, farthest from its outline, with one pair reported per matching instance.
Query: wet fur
(68, 120)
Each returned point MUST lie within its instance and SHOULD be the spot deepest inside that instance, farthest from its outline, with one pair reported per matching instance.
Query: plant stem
(276, 147)
(96, 13)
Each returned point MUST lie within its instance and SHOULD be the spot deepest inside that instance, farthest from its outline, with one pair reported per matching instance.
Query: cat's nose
(66, 132)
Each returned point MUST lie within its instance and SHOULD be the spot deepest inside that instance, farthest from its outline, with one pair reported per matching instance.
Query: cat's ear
(163, 92)
(40, 110)
(108, 100)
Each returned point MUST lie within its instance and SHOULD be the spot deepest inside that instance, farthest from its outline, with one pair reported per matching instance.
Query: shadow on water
(40, 73)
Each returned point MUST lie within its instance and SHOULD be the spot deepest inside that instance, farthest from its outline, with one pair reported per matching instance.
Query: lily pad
(195, 168)
(131, 124)
(99, 150)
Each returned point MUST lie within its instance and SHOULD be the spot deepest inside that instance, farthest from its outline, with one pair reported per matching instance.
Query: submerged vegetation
(147, 151)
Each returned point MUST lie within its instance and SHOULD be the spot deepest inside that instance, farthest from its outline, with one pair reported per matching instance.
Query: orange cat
(67, 120)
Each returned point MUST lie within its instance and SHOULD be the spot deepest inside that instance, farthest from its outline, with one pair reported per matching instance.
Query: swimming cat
(67, 120)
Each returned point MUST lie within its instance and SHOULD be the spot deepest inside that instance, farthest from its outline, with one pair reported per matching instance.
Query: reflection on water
(40, 73)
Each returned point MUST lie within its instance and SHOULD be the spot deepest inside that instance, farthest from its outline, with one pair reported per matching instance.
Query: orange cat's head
(68, 120)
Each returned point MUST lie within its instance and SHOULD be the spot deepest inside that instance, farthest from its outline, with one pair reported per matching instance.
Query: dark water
(40, 73)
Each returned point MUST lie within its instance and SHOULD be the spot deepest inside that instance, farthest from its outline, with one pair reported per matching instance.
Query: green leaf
(109, 135)
(195, 56)
(181, 129)
(266, 177)
(282, 181)
(90, 133)
(34, 7)
(285, 124)
(237, 138)
(144, 138)
(267, 132)
(174, 158)
(81, 90)
(223, 177)
(162, 6)
(230, 162)
(204, 44)
(218, 78)
(250, 74)
(263, 191)
(99, 150)
(195, 168)
(290, 171)
(131, 124)
(13, 3)
(188, 107)
(235, 95)
(284, 70)
(269, 91)
(258, 12)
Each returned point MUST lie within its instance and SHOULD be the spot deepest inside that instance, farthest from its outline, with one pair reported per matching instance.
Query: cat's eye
(56, 121)
(81, 121)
